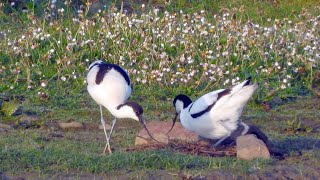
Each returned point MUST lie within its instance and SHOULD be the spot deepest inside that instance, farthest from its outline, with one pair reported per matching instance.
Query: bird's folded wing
(204, 103)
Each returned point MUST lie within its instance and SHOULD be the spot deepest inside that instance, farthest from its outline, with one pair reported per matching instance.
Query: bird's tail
(238, 87)
(239, 95)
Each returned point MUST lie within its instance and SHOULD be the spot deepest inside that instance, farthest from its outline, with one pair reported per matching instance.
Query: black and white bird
(214, 115)
(109, 85)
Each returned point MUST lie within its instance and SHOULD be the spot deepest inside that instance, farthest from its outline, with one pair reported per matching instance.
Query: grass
(78, 152)
(206, 46)
(32, 151)
(257, 11)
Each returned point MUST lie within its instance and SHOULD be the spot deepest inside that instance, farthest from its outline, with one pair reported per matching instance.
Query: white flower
(226, 82)
(43, 84)
(63, 78)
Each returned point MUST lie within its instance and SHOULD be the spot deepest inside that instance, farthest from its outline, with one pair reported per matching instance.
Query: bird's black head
(135, 112)
(95, 63)
(180, 102)
(137, 109)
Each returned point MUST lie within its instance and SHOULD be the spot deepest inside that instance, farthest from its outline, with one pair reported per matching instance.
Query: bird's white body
(114, 90)
(214, 115)
(109, 85)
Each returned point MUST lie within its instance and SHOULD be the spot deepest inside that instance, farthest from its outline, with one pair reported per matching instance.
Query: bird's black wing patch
(104, 68)
(220, 95)
(248, 81)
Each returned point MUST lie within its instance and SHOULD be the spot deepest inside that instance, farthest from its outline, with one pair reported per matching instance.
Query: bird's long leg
(113, 123)
(111, 131)
(246, 128)
(224, 137)
(105, 132)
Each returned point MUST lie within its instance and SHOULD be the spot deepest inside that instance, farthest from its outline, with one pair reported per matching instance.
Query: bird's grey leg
(246, 128)
(224, 137)
(113, 123)
(108, 145)
(105, 132)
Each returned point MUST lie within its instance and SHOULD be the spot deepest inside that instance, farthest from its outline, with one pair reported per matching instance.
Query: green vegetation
(178, 52)
(40, 154)
(183, 46)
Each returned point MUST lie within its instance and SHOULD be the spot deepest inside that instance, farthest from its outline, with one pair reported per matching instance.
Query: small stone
(28, 121)
(180, 133)
(3, 176)
(250, 147)
(70, 125)
(159, 131)
(11, 108)
(316, 84)
(52, 125)
(29, 118)
(5, 126)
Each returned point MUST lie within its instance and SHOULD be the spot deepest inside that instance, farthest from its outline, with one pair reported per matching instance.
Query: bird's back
(108, 84)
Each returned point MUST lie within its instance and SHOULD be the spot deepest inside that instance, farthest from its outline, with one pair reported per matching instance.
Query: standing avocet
(109, 85)
(214, 115)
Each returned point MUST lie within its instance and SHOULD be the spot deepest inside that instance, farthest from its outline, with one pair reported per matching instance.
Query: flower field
(191, 52)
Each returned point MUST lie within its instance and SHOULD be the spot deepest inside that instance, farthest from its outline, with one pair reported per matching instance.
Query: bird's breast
(205, 126)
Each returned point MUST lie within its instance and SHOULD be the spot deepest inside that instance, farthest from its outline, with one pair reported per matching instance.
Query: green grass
(257, 11)
(38, 151)
(44, 61)
(31, 151)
